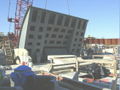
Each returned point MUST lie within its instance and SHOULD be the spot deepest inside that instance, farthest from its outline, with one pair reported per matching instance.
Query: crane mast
(21, 8)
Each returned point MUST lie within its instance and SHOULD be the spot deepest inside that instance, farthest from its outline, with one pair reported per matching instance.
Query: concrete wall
(51, 29)
(24, 31)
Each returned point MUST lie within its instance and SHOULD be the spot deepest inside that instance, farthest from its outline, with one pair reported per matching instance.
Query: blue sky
(103, 15)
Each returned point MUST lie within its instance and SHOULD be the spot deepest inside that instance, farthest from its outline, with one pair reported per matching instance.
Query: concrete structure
(46, 32)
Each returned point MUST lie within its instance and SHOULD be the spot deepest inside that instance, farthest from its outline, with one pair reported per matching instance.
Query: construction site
(48, 50)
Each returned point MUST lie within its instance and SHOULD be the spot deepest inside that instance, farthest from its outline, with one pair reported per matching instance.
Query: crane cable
(68, 5)
(31, 2)
(9, 27)
(46, 4)
(9, 6)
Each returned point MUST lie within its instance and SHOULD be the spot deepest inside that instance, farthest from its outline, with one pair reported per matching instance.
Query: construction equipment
(95, 71)
(21, 56)
(12, 55)
(21, 7)
(7, 47)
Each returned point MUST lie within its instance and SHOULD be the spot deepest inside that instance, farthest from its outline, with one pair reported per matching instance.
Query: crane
(21, 7)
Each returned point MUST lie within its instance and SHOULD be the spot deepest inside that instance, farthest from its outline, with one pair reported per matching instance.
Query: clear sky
(103, 15)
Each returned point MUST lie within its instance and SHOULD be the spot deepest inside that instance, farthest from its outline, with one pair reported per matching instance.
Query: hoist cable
(31, 2)
(45, 4)
(9, 26)
(68, 5)
(9, 5)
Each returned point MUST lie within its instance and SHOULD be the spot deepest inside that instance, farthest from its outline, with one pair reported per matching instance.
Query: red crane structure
(21, 8)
